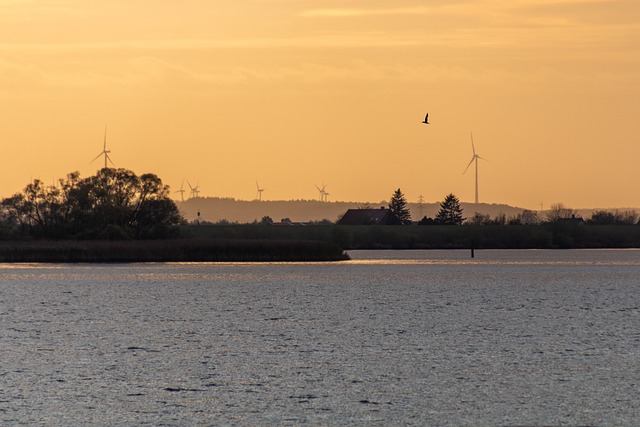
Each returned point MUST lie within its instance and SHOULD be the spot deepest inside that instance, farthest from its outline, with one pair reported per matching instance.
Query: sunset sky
(294, 93)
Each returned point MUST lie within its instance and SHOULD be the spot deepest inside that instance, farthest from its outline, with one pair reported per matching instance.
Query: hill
(214, 209)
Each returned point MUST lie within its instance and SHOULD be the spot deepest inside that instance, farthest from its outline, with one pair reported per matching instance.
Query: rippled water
(404, 337)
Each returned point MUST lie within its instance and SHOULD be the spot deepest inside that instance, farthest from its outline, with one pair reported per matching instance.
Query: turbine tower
(104, 152)
(259, 192)
(474, 159)
(321, 191)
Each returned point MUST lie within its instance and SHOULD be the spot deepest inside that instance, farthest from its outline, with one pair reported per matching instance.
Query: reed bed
(543, 236)
(186, 250)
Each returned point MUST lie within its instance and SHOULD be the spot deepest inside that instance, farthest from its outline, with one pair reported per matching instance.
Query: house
(382, 216)
(573, 220)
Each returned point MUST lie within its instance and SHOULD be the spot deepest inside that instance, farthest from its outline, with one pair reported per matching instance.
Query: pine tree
(398, 206)
(450, 211)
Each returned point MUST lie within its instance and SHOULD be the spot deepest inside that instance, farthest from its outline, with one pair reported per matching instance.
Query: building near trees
(380, 216)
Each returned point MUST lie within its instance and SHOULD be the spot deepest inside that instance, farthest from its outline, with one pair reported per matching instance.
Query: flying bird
(426, 119)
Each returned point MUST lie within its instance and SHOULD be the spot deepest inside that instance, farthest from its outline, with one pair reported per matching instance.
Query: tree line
(451, 213)
(114, 204)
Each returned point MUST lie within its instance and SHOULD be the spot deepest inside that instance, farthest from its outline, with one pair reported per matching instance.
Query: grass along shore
(543, 236)
(183, 250)
(263, 243)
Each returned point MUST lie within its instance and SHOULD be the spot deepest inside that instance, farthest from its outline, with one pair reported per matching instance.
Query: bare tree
(558, 211)
(479, 219)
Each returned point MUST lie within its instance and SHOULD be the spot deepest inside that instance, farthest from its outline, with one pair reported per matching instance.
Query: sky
(297, 93)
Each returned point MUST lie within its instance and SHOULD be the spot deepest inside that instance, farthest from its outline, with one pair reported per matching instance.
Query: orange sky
(296, 92)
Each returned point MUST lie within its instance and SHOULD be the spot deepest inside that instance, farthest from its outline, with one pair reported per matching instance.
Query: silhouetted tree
(450, 211)
(115, 203)
(479, 219)
(529, 217)
(602, 217)
(398, 206)
(427, 221)
(558, 211)
(500, 219)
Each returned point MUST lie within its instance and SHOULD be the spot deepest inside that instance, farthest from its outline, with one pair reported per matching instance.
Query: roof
(368, 217)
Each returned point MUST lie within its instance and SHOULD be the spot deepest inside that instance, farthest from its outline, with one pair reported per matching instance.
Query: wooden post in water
(472, 248)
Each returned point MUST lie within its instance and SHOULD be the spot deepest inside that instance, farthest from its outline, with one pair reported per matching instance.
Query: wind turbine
(104, 152)
(194, 190)
(474, 158)
(323, 193)
(181, 191)
(259, 192)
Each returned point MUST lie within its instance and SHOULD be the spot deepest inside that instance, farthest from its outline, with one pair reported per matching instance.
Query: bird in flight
(426, 119)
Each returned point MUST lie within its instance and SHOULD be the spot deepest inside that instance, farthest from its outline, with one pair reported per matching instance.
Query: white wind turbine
(104, 152)
(181, 191)
(259, 192)
(194, 190)
(323, 193)
(474, 158)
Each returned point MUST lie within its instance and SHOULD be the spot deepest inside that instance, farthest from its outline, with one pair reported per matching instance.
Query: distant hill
(215, 209)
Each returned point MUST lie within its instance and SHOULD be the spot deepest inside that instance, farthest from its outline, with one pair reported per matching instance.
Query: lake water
(389, 338)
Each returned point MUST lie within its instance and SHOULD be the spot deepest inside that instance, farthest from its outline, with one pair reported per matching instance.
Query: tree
(558, 211)
(529, 217)
(115, 203)
(450, 211)
(427, 221)
(479, 219)
(626, 217)
(602, 218)
(398, 206)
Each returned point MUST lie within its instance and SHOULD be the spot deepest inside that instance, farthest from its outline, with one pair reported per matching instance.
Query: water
(390, 338)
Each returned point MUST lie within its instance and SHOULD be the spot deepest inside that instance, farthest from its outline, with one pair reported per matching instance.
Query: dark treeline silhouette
(560, 235)
(114, 204)
(174, 250)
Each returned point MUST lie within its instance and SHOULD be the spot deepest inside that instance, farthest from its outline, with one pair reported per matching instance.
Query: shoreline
(182, 250)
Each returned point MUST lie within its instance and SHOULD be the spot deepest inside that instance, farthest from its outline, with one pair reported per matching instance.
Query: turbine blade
(465, 169)
(110, 161)
(473, 147)
(96, 158)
